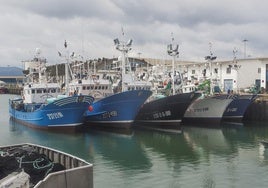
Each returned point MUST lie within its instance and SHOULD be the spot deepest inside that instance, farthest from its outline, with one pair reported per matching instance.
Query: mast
(173, 52)
(236, 67)
(210, 58)
(123, 47)
(66, 68)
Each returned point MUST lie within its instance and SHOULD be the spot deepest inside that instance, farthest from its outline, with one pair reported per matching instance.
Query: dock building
(238, 75)
(11, 75)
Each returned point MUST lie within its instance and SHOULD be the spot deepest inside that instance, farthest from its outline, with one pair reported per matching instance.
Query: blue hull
(62, 113)
(237, 108)
(118, 110)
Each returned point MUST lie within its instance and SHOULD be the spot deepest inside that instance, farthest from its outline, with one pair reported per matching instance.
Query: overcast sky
(90, 26)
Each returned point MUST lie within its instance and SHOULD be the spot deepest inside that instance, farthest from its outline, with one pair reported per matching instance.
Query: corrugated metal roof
(10, 71)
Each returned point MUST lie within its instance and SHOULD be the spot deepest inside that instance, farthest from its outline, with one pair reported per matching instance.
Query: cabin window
(84, 88)
(88, 87)
(259, 70)
(193, 71)
(33, 91)
(39, 91)
(53, 90)
(44, 91)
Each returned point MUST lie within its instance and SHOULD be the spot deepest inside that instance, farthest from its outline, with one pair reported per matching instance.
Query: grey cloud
(66, 9)
(28, 24)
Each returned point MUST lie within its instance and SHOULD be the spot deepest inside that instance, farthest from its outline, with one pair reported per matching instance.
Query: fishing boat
(166, 112)
(61, 112)
(40, 109)
(31, 165)
(206, 111)
(120, 109)
(115, 108)
(237, 108)
(36, 86)
(218, 108)
(95, 85)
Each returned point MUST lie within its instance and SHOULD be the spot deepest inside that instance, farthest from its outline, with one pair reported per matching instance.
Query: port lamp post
(174, 53)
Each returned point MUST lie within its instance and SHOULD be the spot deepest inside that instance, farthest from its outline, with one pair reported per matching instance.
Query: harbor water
(227, 156)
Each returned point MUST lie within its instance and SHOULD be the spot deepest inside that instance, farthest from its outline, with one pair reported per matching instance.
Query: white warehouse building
(238, 75)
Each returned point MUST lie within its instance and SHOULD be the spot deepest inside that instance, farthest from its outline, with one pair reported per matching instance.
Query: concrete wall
(81, 177)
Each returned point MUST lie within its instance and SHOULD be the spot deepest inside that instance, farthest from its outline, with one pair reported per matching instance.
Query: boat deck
(46, 167)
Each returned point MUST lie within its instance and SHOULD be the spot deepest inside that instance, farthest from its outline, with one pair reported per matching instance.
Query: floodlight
(214, 57)
(176, 49)
(169, 47)
(116, 41)
(207, 57)
(129, 43)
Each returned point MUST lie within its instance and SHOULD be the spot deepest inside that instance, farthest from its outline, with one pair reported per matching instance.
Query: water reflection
(73, 143)
(247, 136)
(119, 150)
(197, 157)
(206, 140)
(171, 147)
(263, 153)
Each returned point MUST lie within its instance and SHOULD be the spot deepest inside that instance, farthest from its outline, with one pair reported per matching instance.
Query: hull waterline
(237, 108)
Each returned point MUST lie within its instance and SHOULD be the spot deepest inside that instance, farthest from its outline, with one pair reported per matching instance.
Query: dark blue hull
(62, 113)
(118, 110)
(237, 108)
(167, 112)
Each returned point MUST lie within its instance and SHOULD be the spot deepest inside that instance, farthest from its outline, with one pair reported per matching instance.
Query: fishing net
(38, 166)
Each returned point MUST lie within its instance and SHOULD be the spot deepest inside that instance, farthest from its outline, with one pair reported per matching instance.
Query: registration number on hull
(162, 114)
(55, 115)
(109, 114)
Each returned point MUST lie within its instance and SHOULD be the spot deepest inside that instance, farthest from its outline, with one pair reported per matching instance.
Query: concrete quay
(258, 110)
